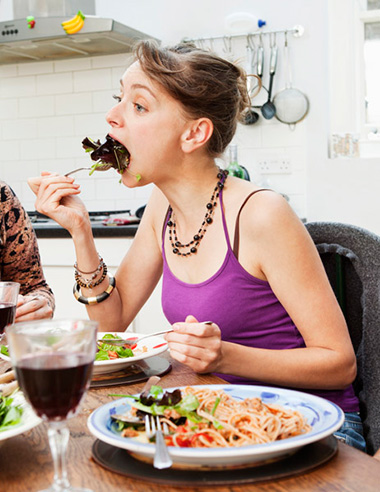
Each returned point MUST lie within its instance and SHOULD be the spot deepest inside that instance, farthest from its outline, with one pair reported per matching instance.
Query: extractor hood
(41, 37)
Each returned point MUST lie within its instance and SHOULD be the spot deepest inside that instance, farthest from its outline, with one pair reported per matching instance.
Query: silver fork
(161, 456)
(76, 170)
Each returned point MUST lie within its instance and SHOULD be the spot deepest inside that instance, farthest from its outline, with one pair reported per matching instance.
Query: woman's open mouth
(109, 154)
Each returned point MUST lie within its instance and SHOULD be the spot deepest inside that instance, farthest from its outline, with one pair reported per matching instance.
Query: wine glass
(8, 302)
(53, 360)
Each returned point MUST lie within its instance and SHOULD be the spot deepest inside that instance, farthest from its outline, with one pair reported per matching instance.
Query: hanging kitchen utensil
(292, 105)
(268, 110)
(260, 59)
(250, 116)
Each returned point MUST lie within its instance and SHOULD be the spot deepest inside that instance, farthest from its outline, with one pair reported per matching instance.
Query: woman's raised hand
(196, 344)
(56, 198)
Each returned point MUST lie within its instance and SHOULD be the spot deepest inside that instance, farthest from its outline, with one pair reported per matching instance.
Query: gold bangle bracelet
(97, 299)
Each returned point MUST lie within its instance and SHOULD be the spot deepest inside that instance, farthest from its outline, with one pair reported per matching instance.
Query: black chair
(351, 257)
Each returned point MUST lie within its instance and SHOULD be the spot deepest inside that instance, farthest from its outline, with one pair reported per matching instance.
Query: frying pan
(292, 105)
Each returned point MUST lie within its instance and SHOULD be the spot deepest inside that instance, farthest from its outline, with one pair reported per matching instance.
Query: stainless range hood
(47, 40)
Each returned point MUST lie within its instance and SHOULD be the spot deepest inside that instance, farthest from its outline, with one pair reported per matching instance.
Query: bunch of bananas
(75, 24)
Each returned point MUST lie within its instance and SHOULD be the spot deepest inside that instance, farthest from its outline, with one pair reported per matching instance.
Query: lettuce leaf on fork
(109, 154)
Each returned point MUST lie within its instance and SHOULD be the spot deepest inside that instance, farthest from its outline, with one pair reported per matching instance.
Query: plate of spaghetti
(213, 426)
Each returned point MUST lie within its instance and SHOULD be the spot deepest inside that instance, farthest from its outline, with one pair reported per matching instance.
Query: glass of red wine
(53, 360)
(8, 302)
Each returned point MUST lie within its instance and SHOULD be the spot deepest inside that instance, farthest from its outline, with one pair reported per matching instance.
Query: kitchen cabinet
(58, 258)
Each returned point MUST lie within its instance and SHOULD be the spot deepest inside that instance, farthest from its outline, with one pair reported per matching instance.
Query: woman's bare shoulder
(268, 213)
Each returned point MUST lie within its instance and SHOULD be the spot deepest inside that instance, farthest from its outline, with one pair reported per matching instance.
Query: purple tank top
(244, 307)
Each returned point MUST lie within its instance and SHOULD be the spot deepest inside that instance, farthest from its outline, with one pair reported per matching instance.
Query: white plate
(28, 419)
(324, 417)
(5, 357)
(155, 345)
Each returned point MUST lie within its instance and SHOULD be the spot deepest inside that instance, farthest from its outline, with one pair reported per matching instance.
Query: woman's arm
(138, 273)
(20, 260)
(276, 247)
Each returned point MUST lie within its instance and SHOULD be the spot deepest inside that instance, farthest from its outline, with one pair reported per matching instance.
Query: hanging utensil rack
(297, 32)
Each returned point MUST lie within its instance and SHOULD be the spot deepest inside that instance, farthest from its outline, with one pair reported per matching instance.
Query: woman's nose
(112, 117)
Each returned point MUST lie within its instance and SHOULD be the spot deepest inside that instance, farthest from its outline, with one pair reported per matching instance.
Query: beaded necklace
(192, 246)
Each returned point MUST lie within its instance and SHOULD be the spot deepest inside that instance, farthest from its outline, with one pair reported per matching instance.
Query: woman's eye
(117, 98)
(139, 108)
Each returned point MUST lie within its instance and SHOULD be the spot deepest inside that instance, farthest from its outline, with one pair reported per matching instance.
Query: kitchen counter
(53, 230)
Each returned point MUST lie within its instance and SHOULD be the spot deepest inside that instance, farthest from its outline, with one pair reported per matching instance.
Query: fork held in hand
(76, 170)
(161, 456)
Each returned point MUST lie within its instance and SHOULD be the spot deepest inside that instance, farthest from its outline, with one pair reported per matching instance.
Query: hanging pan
(250, 116)
(291, 104)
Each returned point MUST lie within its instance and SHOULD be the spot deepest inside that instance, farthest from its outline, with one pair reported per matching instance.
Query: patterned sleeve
(19, 254)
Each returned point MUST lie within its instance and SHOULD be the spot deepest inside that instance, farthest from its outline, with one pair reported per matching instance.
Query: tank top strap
(224, 219)
(237, 237)
(164, 225)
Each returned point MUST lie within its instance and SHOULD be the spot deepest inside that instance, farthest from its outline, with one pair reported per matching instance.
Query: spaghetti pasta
(218, 420)
(229, 422)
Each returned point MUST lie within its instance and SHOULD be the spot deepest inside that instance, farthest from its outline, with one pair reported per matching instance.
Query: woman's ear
(197, 133)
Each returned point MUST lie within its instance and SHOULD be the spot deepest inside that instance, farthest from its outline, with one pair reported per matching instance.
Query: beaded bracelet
(94, 272)
(94, 300)
(87, 283)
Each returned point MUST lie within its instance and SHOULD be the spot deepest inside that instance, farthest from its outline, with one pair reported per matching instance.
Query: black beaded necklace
(177, 246)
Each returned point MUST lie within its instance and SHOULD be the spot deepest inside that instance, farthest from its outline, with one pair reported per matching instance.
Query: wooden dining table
(26, 463)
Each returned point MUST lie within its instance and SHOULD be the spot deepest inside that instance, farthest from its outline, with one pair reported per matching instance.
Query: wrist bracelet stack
(89, 283)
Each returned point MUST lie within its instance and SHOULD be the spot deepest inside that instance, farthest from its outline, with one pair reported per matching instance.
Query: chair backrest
(351, 256)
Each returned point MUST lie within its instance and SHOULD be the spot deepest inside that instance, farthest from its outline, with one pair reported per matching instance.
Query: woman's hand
(56, 199)
(32, 307)
(198, 345)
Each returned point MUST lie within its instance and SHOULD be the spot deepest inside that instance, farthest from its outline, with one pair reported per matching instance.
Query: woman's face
(149, 123)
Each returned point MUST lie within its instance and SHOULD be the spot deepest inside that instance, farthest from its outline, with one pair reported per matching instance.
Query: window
(370, 53)
(373, 4)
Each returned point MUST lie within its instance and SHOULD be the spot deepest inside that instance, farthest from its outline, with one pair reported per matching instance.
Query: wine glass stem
(59, 435)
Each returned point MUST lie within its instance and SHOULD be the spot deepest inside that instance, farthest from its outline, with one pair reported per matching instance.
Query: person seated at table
(20, 259)
(229, 252)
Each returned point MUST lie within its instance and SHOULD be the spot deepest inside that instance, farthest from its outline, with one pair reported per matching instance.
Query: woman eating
(229, 252)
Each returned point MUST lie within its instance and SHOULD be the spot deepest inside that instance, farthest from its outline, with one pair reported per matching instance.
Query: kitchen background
(48, 107)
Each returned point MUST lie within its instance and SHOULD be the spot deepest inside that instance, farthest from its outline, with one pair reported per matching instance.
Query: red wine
(54, 383)
(7, 315)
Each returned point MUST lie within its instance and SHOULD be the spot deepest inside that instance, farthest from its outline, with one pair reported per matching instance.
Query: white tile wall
(47, 108)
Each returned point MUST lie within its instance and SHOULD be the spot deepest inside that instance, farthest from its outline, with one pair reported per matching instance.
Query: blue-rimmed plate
(324, 417)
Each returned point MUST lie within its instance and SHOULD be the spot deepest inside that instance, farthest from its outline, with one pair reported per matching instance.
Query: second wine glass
(8, 301)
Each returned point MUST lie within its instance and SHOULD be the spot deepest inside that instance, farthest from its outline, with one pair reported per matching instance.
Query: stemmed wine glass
(53, 360)
(8, 302)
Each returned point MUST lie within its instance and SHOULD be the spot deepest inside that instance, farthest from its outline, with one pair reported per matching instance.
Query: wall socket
(275, 166)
